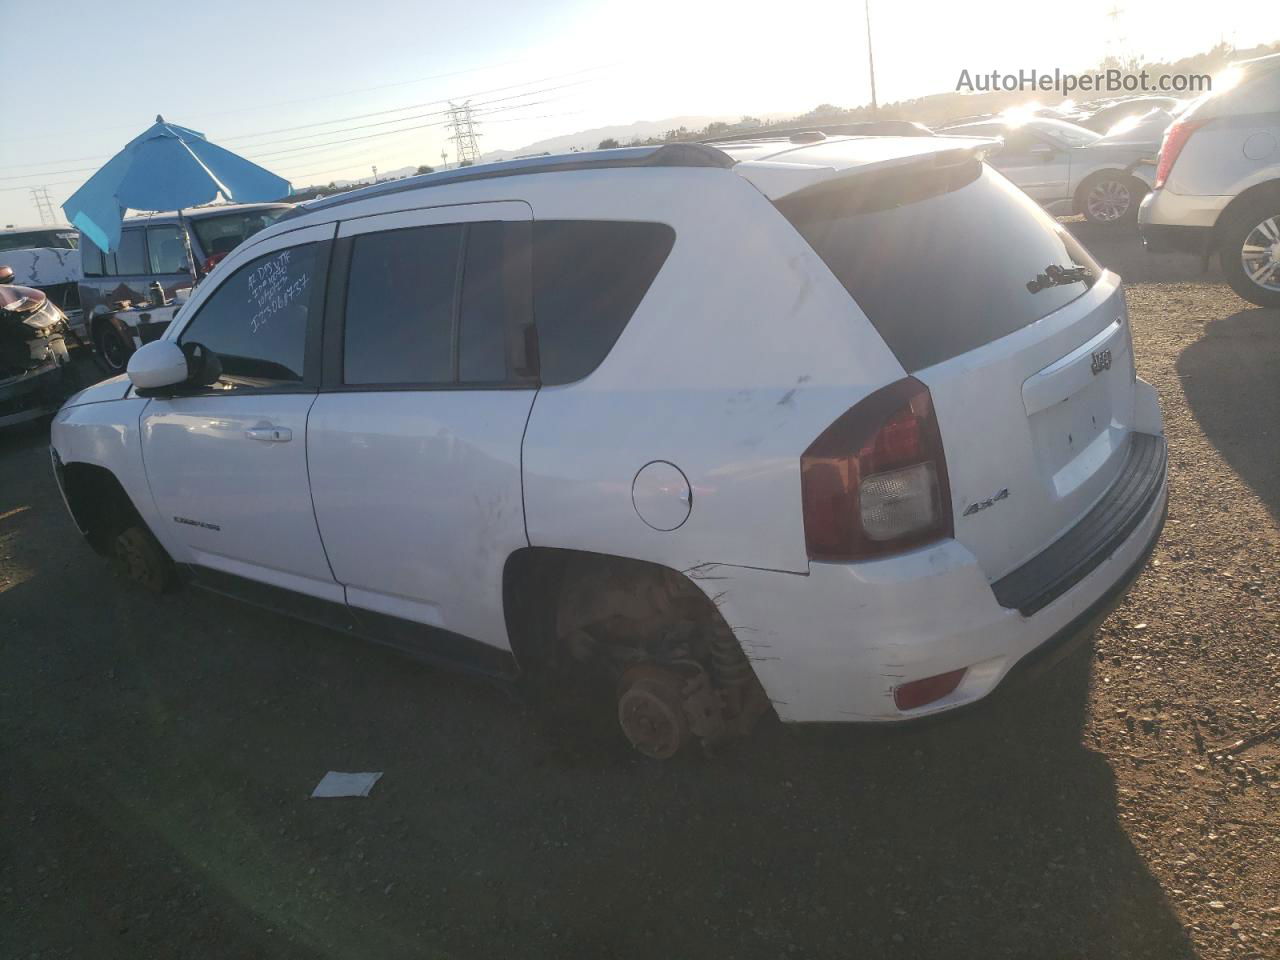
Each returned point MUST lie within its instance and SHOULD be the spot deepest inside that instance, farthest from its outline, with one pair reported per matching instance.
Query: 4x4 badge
(973, 508)
(1101, 361)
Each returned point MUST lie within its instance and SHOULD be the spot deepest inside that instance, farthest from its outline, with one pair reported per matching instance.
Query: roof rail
(666, 155)
(819, 131)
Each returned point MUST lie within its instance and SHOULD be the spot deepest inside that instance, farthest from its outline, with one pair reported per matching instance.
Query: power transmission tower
(40, 197)
(1116, 40)
(464, 137)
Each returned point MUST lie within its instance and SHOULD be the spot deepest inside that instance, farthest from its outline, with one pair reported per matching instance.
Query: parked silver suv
(1217, 187)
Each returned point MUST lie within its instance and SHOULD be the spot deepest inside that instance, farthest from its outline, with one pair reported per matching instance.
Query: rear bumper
(1171, 222)
(832, 646)
(1163, 238)
(1054, 571)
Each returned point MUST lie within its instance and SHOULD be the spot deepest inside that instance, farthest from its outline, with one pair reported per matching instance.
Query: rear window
(588, 278)
(939, 260)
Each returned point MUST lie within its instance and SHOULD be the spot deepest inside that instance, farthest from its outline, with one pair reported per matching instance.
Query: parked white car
(848, 428)
(1217, 187)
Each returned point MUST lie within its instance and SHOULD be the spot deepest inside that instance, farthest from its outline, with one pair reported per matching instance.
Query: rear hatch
(1020, 336)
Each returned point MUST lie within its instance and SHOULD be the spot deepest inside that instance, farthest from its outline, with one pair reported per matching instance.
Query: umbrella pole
(186, 244)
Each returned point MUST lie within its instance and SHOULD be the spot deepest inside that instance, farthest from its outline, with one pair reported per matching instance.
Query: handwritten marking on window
(271, 289)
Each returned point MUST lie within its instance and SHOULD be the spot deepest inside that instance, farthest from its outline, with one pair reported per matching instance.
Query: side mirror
(157, 368)
(160, 363)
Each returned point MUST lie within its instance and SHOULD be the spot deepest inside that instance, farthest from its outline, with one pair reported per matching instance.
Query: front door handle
(270, 434)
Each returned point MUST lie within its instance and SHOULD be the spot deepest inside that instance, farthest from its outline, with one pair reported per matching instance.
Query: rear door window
(398, 327)
(588, 278)
(939, 260)
(495, 305)
(131, 258)
(165, 249)
(438, 306)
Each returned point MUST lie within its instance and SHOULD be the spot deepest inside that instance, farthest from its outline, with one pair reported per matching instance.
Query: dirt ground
(157, 758)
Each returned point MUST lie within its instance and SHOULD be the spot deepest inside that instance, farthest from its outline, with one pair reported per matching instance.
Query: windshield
(57, 239)
(222, 234)
(1065, 133)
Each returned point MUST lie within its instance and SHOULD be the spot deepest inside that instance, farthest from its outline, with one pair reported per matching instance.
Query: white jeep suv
(847, 428)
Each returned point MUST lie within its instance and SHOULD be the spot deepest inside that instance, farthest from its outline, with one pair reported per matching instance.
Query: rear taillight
(875, 481)
(1175, 138)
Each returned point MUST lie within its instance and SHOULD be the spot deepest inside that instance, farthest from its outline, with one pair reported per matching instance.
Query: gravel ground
(157, 758)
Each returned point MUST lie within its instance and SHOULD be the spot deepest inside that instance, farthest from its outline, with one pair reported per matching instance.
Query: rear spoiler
(821, 131)
(781, 178)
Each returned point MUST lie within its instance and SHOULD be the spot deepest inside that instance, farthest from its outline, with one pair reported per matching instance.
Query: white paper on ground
(335, 784)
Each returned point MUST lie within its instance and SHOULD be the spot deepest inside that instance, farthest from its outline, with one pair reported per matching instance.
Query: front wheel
(1250, 253)
(1111, 198)
(113, 350)
(138, 556)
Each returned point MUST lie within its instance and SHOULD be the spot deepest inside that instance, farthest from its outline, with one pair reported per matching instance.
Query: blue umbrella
(166, 168)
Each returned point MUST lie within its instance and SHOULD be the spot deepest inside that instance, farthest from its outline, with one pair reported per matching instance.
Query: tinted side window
(165, 250)
(90, 258)
(939, 261)
(496, 299)
(588, 278)
(131, 258)
(398, 324)
(256, 321)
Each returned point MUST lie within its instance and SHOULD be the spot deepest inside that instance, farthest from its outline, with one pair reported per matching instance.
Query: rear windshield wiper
(1056, 276)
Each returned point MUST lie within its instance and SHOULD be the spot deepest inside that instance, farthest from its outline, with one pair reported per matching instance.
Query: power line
(321, 123)
(322, 146)
(386, 133)
(309, 147)
(419, 116)
(285, 103)
(358, 158)
(415, 106)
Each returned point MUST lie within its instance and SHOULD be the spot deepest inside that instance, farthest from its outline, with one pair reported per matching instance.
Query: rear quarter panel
(744, 349)
(1216, 160)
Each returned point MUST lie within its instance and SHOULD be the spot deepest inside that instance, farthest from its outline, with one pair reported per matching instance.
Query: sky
(318, 90)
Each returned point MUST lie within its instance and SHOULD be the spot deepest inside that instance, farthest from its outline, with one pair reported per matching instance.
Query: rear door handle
(270, 434)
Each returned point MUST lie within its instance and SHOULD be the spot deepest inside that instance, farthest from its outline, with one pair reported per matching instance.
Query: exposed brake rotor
(651, 710)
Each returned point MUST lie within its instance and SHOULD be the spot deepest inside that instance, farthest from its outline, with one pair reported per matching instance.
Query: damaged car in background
(35, 372)
(1069, 169)
(46, 259)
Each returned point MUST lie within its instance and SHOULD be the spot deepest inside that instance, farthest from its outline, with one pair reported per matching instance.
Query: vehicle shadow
(162, 750)
(1231, 378)
(1120, 248)
(167, 747)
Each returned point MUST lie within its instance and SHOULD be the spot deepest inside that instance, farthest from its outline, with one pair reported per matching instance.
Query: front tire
(1111, 198)
(138, 556)
(112, 348)
(1249, 252)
